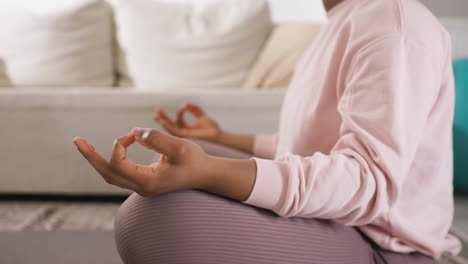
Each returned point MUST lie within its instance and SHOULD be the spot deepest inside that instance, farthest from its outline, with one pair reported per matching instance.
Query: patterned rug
(47, 216)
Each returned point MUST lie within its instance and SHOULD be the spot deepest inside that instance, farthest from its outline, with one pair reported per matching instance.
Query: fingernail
(136, 131)
(91, 147)
(75, 140)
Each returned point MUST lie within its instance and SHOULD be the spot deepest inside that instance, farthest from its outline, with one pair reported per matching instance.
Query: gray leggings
(198, 227)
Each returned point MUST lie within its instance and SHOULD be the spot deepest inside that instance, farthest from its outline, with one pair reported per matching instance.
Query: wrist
(209, 173)
(232, 178)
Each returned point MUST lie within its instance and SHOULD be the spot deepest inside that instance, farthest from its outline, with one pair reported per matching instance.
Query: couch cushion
(189, 44)
(55, 43)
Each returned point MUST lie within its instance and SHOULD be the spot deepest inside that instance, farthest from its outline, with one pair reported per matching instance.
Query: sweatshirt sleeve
(265, 145)
(388, 93)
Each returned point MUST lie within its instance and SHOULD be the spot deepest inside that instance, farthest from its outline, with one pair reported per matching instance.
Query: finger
(162, 116)
(121, 144)
(163, 158)
(195, 110)
(125, 168)
(180, 117)
(86, 149)
(170, 126)
(99, 163)
(173, 129)
(135, 132)
(157, 112)
(159, 141)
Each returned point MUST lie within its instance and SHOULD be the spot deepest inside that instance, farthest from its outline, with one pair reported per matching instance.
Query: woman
(359, 171)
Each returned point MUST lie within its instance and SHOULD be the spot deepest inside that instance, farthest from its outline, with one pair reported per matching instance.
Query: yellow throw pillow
(275, 65)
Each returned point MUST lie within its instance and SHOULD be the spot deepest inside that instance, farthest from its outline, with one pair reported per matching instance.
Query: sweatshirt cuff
(264, 146)
(266, 192)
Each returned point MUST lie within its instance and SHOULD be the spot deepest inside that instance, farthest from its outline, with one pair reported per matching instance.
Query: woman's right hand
(203, 128)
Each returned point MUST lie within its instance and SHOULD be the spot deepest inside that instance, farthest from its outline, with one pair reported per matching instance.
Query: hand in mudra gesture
(182, 165)
(178, 168)
(203, 128)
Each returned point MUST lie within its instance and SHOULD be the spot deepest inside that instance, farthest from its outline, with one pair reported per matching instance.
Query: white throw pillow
(56, 43)
(189, 44)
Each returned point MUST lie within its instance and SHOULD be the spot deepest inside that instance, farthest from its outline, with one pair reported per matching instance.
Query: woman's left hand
(182, 164)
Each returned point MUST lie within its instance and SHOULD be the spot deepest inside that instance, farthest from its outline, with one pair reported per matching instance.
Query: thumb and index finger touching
(150, 138)
(158, 141)
(192, 108)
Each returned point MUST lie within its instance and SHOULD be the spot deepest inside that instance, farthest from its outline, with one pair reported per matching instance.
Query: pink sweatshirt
(365, 129)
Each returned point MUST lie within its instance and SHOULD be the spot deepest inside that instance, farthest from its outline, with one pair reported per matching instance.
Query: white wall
(458, 29)
(454, 16)
(297, 11)
(312, 10)
(446, 8)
